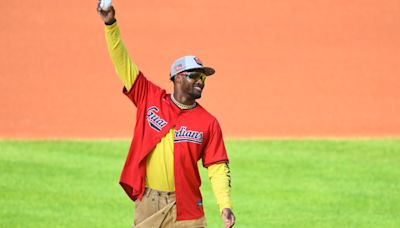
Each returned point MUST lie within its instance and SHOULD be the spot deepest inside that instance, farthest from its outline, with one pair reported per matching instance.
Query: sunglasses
(195, 76)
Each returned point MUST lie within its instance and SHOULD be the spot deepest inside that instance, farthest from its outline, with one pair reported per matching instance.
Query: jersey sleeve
(136, 86)
(125, 68)
(141, 89)
(214, 151)
(220, 178)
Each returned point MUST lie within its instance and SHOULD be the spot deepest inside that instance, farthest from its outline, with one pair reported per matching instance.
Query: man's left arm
(215, 159)
(219, 175)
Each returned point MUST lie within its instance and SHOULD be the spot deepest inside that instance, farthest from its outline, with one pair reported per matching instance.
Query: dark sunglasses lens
(196, 76)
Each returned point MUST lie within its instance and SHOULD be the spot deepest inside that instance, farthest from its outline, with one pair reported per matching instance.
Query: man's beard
(195, 95)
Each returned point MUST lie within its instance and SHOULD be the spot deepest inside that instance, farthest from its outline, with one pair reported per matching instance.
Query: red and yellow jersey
(197, 136)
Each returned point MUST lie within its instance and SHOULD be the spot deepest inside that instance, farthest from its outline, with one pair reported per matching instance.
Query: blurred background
(284, 68)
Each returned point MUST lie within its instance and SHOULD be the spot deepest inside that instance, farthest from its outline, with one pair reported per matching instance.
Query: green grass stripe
(276, 183)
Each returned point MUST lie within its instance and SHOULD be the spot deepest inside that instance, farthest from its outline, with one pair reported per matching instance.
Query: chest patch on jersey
(185, 135)
(154, 120)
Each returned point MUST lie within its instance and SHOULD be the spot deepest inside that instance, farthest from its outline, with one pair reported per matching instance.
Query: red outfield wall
(284, 68)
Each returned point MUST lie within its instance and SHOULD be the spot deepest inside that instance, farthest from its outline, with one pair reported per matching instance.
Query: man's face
(193, 83)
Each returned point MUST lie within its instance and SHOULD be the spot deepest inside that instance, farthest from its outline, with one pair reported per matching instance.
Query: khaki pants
(157, 209)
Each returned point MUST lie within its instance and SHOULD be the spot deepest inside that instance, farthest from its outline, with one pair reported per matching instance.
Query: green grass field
(276, 183)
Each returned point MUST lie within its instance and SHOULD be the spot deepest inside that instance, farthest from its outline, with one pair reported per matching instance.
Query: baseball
(105, 4)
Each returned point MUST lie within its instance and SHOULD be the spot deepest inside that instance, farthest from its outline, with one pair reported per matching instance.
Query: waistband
(154, 192)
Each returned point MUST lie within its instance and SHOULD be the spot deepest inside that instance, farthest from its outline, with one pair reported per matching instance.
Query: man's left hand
(228, 217)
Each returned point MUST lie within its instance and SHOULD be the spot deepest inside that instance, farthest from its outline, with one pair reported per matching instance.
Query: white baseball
(105, 4)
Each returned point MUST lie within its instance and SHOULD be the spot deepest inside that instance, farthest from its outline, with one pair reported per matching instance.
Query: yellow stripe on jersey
(160, 172)
(160, 164)
(126, 69)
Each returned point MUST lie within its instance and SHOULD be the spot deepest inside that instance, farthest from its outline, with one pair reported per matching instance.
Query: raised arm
(126, 69)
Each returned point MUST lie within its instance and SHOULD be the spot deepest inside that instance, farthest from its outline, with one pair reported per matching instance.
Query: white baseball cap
(189, 62)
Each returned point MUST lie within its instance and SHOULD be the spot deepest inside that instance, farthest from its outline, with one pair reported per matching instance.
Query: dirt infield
(284, 68)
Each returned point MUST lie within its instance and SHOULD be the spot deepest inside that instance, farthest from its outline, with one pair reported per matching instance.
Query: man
(172, 133)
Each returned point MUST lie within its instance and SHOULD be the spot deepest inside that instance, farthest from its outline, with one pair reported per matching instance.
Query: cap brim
(208, 71)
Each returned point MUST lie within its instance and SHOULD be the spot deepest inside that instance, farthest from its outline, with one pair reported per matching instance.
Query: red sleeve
(215, 151)
(140, 89)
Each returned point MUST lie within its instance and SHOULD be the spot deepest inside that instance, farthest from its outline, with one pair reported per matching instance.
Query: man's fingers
(229, 220)
(233, 222)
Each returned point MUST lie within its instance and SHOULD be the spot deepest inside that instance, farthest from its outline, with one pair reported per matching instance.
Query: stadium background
(284, 68)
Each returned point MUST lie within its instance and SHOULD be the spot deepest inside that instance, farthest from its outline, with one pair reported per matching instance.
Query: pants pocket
(144, 208)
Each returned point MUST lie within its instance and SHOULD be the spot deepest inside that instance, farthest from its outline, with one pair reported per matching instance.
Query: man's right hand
(107, 16)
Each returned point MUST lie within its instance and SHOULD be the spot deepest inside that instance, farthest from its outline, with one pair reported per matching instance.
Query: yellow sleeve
(126, 69)
(220, 177)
